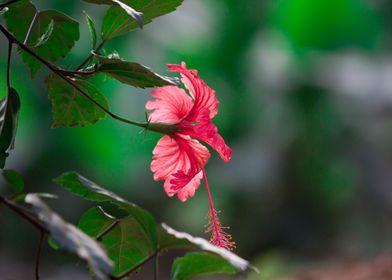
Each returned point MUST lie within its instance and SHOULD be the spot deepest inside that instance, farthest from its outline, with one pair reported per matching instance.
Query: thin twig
(106, 230)
(2, 6)
(57, 71)
(136, 267)
(24, 213)
(90, 56)
(38, 256)
(27, 38)
(9, 65)
(71, 73)
(156, 267)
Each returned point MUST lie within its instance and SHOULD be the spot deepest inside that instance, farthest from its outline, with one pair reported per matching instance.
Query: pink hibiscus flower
(178, 158)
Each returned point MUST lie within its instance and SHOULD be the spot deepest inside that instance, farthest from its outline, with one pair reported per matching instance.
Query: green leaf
(71, 238)
(70, 107)
(91, 28)
(132, 73)
(186, 240)
(63, 36)
(126, 242)
(95, 221)
(88, 190)
(14, 179)
(129, 10)
(117, 22)
(199, 263)
(45, 37)
(9, 110)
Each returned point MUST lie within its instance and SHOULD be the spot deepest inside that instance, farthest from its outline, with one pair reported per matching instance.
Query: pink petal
(170, 106)
(206, 131)
(178, 161)
(204, 97)
(185, 189)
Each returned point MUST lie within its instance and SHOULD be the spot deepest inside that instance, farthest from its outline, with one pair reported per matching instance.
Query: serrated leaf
(126, 242)
(63, 36)
(9, 110)
(45, 37)
(70, 107)
(199, 263)
(237, 262)
(71, 238)
(91, 28)
(14, 179)
(88, 190)
(117, 22)
(132, 73)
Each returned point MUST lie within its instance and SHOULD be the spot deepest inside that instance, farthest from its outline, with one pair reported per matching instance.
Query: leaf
(71, 238)
(132, 73)
(95, 221)
(237, 262)
(63, 36)
(9, 110)
(14, 179)
(70, 107)
(129, 10)
(91, 28)
(45, 37)
(88, 190)
(199, 263)
(117, 22)
(126, 242)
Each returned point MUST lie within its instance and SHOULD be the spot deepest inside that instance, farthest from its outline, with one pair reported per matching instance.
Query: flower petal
(203, 95)
(184, 186)
(206, 131)
(178, 160)
(170, 106)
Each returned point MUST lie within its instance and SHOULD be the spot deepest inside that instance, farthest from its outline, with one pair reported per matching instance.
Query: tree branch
(59, 73)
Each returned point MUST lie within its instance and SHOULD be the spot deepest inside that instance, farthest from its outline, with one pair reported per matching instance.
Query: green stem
(90, 56)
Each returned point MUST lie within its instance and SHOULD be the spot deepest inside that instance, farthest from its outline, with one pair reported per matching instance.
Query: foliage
(113, 245)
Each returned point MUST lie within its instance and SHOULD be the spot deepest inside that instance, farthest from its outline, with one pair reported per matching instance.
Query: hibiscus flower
(179, 158)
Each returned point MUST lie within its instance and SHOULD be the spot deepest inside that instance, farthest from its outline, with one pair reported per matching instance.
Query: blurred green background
(305, 90)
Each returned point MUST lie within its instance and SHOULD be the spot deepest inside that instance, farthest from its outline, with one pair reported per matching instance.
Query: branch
(24, 213)
(2, 6)
(9, 64)
(59, 73)
(38, 256)
(106, 230)
(136, 267)
(90, 56)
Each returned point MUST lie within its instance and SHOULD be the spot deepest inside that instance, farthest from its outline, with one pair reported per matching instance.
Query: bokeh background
(305, 90)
